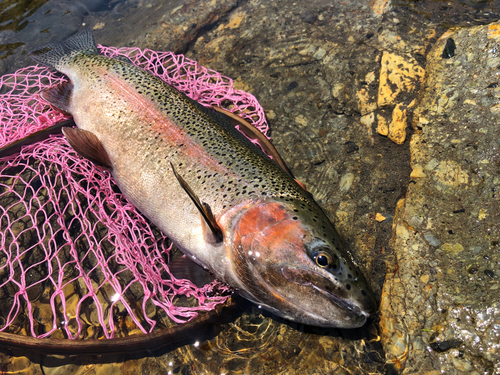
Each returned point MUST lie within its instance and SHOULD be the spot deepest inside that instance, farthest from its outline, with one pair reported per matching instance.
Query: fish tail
(60, 54)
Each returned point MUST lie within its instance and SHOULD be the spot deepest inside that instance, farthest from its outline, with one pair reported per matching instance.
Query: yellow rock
(337, 88)
(382, 126)
(235, 20)
(18, 365)
(368, 119)
(346, 182)
(462, 365)
(424, 279)
(380, 217)
(370, 77)
(342, 215)
(380, 6)
(365, 103)
(417, 171)
(452, 249)
(301, 120)
(99, 26)
(495, 108)
(319, 54)
(450, 173)
(399, 71)
(238, 84)
(494, 31)
(470, 101)
(271, 115)
(402, 231)
(397, 127)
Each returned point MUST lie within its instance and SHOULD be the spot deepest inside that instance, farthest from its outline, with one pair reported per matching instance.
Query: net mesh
(77, 260)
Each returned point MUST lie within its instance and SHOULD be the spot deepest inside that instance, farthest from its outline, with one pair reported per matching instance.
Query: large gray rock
(441, 302)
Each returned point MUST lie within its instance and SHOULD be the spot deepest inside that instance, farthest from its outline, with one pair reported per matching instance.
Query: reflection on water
(14, 17)
(447, 13)
(256, 344)
(14, 14)
(27, 24)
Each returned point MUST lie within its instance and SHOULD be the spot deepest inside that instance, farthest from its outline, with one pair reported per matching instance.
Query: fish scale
(218, 197)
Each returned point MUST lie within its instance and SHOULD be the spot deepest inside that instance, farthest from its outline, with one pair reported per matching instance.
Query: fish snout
(354, 298)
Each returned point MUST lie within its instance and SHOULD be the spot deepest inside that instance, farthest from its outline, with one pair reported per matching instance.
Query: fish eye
(325, 260)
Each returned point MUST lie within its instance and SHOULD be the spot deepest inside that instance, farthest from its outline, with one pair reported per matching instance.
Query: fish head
(289, 259)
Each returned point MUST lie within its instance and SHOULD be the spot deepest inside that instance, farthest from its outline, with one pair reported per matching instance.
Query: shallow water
(25, 25)
(256, 341)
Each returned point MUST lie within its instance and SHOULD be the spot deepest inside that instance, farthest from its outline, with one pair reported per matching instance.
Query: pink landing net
(76, 259)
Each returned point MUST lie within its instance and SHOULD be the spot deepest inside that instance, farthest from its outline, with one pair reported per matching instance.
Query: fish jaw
(271, 257)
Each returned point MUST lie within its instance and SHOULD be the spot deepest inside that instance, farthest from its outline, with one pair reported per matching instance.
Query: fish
(220, 199)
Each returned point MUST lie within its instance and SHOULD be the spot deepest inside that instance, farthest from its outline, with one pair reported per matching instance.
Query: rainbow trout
(220, 199)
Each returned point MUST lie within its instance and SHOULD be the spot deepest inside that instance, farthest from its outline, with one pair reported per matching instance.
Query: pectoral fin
(87, 145)
(204, 209)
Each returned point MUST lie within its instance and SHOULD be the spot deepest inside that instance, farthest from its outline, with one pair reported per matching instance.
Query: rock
(442, 346)
(455, 197)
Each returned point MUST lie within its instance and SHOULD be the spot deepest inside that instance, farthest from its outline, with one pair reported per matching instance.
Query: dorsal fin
(88, 146)
(204, 208)
(253, 133)
(60, 54)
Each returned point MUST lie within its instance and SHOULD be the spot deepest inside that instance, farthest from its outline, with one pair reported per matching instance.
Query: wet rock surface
(444, 293)
(341, 83)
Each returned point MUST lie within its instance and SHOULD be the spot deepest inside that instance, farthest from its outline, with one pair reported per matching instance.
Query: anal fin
(59, 96)
(87, 145)
(204, 209)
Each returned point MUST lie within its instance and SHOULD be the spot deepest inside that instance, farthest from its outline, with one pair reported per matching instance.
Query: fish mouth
(342, 303)
(318, 282)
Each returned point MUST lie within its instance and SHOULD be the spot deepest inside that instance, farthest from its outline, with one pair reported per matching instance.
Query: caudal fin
(57, 55)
